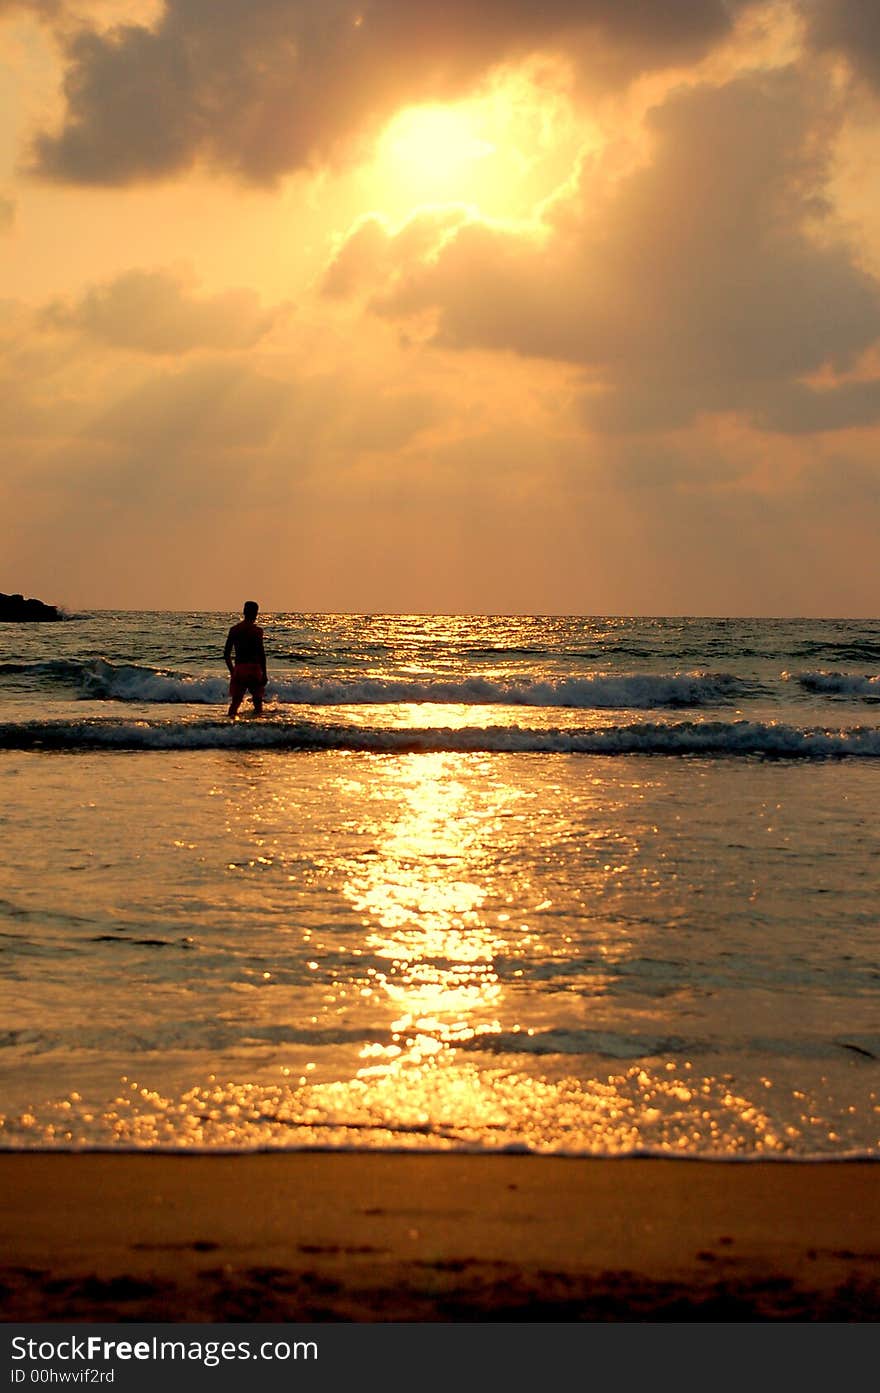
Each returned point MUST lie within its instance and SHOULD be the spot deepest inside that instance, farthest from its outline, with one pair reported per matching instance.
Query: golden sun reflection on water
(665, 1109)
(435, 952)
(421, 898)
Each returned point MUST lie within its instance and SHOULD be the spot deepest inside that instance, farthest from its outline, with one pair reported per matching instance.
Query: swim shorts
(246, 677)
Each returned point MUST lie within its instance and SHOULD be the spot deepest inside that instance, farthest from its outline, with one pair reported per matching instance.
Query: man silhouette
(247, 673)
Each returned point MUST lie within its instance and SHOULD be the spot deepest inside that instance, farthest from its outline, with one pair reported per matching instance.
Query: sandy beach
(378, 1237)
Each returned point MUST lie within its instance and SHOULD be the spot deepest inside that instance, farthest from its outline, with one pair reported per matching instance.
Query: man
(248, 672)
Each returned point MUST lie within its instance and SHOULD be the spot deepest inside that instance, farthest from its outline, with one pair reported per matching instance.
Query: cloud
(850, 28)
(157, 312)
(370, 248)
(220, 405)
(7, 213)
(46, 9)
(257, 88)
(800, 410)
(709, 279)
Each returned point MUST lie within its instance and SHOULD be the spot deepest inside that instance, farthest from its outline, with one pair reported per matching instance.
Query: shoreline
(325, 1236)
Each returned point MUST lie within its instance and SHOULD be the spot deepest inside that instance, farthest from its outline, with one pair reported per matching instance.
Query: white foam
(639, 691)
(101, 680)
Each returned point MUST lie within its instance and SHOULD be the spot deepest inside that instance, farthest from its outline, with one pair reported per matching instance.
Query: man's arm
(227, 651)
(263, 657)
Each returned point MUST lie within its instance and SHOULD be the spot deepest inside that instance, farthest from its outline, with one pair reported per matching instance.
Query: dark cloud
(800, 410)
(261, 87)
(850, 28)
(157, 312)
(706, 280)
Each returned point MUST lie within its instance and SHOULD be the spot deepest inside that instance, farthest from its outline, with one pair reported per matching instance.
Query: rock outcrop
(15, 609)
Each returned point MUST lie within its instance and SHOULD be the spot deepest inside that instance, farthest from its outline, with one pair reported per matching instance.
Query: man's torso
(247, 642)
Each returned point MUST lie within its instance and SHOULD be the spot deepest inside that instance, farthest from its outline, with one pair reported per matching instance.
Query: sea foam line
(709, 738)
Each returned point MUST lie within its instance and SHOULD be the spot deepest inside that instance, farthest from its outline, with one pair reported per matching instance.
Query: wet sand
(310, 1237)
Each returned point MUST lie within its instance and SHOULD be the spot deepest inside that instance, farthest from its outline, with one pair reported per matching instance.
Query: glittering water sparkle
(280, 947)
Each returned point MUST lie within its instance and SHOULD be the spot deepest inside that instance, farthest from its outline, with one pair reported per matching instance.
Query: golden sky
(408, 306)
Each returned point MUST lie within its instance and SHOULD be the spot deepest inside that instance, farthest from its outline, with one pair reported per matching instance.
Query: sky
(409, 306)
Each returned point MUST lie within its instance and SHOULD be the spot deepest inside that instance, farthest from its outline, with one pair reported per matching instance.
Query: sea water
(574, 885)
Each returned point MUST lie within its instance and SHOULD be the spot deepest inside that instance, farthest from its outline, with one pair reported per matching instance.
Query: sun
(436, 151)
(500, 151)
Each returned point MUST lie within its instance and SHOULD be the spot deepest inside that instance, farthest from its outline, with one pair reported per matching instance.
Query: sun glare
(434, 149)
(502, 151)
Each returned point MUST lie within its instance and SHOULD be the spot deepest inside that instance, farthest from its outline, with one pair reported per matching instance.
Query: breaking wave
(101, 680)
(709, 738)
(838, 684)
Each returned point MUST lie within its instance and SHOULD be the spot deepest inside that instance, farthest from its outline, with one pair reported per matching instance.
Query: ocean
(584, 886)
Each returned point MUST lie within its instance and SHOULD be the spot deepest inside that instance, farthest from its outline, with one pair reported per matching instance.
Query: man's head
(251, 609)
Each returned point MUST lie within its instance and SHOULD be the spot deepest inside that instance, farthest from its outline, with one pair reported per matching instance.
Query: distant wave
(837, 684)
(710, 738)
(101, 680)
(856, 651)
(51, 669)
